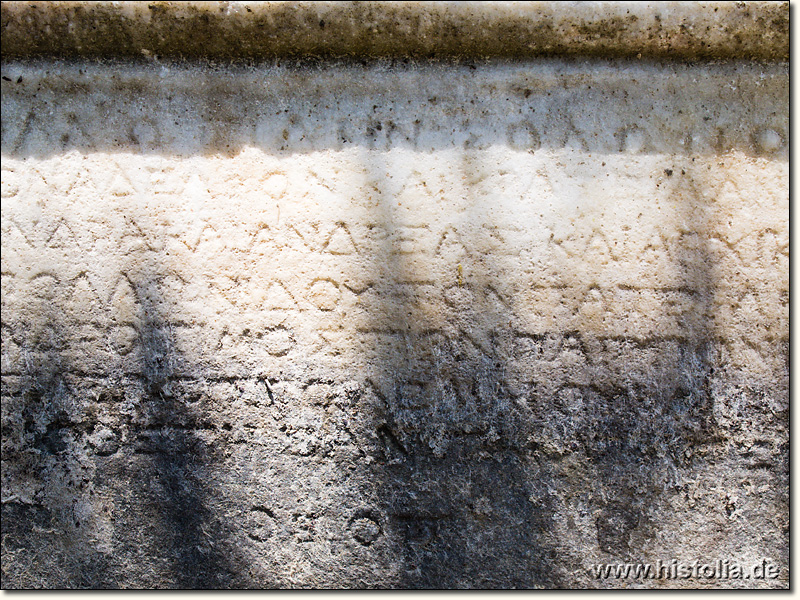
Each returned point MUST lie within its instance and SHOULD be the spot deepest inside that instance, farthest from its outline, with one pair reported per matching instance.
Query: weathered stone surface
(392, 325)
(223, 30)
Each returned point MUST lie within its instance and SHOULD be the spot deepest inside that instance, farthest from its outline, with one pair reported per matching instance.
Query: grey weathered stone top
(258, 30)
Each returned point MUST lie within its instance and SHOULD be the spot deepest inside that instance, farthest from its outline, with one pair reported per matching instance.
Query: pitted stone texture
(256, 30)
(350, 327)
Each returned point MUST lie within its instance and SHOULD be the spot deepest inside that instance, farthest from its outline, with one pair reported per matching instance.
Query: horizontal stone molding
(461, 30)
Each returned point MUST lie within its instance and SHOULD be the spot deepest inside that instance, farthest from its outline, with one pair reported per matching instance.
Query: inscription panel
(363, 323)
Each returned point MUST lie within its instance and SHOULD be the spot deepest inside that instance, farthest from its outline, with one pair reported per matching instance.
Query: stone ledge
(466, 30)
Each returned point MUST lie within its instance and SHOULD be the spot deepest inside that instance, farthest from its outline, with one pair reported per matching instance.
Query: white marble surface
(393, 325)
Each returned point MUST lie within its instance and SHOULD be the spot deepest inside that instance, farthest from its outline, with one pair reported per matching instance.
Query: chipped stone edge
(757, 30)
